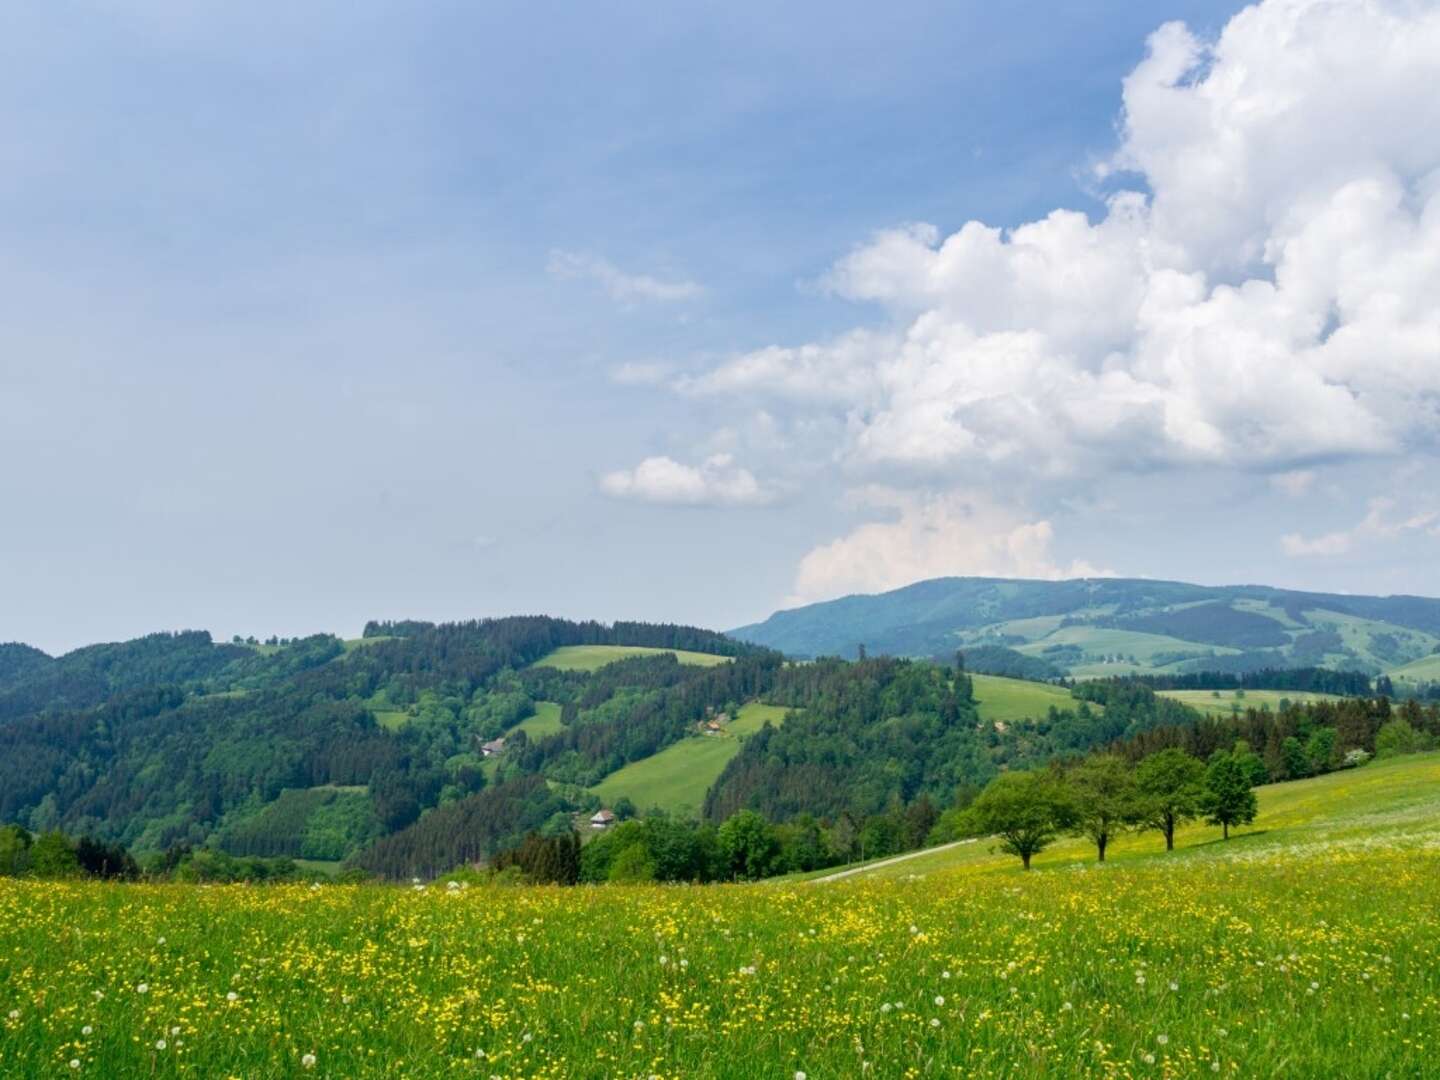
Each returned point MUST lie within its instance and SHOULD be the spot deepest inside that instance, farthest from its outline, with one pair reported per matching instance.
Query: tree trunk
(1169, 834)
(1025, 858)
(1100, 842)
(1225, 827)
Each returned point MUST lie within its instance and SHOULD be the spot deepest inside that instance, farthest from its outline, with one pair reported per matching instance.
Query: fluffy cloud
(1266, 300)
(621, 286)
(930, 537)
(717, 481)
(1379, 523)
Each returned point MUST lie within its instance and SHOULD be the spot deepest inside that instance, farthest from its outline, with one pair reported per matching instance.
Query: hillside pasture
(1426, 669)
(594, 657)
(1394, 803)
(677, 778)
(1231, 701)
(1008, 700)
(544, 721)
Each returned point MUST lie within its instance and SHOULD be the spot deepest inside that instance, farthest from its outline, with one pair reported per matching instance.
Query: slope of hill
(312, 749)
(1392, 804)
(677, 778)
(1007, 700)
(1226, 702)
(1116, 626)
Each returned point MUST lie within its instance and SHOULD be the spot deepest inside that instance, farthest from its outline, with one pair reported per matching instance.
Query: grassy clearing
(1107, 642)
(1008, 700)
(594, 657)
(677, 778)
(1310, 949)
(391, 719)
(1230, 701)
(1426, 669)
(545, 721)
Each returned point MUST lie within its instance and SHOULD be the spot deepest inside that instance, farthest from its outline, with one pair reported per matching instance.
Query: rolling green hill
(1008, 700)
(594, 657)
(1426, 669)
(677, 778)
(1391, 804)
(1114, 626)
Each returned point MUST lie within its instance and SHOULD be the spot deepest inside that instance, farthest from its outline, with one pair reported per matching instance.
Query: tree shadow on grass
(1220, 841)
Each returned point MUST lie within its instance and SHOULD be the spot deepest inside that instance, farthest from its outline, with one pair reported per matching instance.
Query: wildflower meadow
(1306, 948)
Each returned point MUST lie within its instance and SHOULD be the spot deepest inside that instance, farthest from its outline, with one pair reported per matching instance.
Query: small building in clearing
(602, 819)
(493, 747)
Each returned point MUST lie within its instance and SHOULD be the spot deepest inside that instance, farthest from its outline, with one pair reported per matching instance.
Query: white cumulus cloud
(717, 481)
(930, 536)
(622, 286)
(1264, 299)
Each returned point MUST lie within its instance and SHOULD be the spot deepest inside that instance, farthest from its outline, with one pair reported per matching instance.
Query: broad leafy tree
(1103, 790)
(1170, 789)
(1228, 798)
(1026, 810)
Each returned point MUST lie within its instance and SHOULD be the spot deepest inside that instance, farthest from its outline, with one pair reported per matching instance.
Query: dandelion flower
(75, 1063)
(1174, 986)
(232, 996)
(1066, 1007)
(87, 1030)
(143, 988)
(159, 1044)
(1162, 1039)
(939, 999)
(934, 1022)
(1149, 1059)
(799, 1075)
(307, 1061)
(944, 974)
(14, 1014)
(175, 1030)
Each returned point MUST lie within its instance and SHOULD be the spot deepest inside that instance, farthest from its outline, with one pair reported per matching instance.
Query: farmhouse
(493, 747)
(603, 819)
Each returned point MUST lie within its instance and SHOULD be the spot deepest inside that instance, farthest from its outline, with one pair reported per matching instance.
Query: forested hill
(311, 747)
(1115, 626)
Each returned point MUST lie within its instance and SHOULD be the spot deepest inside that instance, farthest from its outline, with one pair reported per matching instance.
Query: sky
(312, 314)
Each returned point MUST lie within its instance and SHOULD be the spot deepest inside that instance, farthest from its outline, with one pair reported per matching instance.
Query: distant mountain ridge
(1098, 626)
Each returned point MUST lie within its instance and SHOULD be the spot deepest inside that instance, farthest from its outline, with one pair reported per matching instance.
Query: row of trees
(1105, 795)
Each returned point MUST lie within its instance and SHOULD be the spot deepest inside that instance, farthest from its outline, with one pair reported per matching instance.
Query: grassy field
(1308, 947)
(677, 778)
(1231, 700)
(391, 719)
(545, 721)
(594, 657)
(1008, 700)
(1426, 669)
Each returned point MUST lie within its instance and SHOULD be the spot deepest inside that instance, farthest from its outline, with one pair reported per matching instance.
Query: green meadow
(594, 657)
(677, 778)
(1008, 700)
(1225, 702)
(1305, 946)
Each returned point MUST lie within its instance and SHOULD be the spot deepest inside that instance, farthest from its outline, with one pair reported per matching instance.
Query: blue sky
(318, 313)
